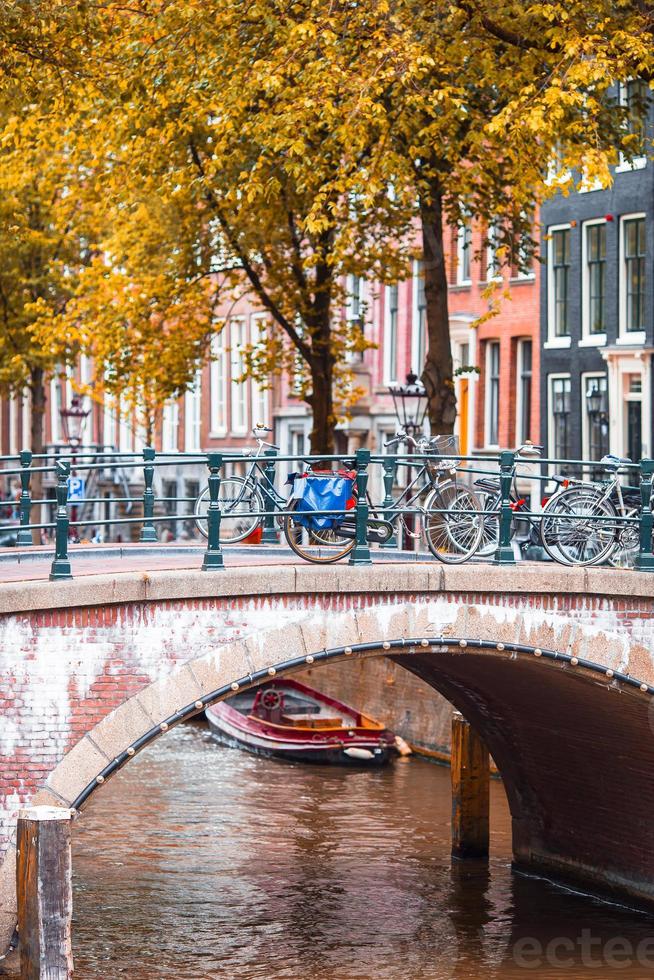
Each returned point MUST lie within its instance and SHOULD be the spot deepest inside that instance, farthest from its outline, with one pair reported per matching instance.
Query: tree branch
(248, 268)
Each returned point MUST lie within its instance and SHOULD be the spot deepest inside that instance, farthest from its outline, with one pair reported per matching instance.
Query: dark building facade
(597, 318)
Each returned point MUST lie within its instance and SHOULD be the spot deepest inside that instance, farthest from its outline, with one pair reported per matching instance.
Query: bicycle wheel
(322, 546)
(240, 504)
(491, 530)
(568, 531)
(453, 523)
(627, 547)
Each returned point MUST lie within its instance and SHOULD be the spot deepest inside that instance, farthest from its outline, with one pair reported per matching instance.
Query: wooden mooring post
(470, 791)
(44, 891)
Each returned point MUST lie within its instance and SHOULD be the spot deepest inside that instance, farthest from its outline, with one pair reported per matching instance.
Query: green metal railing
(505, 467)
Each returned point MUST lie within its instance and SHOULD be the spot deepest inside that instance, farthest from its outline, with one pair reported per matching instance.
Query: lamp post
(410, 404)
(598, 417)
(73, 419)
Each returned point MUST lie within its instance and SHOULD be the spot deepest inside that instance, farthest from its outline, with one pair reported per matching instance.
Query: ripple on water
(200, 862)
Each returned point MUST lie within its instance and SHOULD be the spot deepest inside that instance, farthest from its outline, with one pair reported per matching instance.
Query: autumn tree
(234, 111)
(143, 310)
(481, 99)
(40, 252)
(309, 141)
(312, 135)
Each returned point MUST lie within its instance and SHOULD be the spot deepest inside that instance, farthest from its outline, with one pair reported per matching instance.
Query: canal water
(200, 862)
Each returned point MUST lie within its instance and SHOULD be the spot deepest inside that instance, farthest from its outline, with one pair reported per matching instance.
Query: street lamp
(72, 421)
(597, 400)
(410, 403)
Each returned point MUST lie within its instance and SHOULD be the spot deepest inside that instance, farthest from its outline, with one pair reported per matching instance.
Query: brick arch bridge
(554, 668)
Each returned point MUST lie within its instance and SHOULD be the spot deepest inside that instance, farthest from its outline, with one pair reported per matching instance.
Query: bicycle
(587, 523)
(525, 527)
(450, 514)
(242, 499)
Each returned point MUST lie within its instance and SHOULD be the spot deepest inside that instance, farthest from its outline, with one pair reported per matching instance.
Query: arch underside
(572, 741)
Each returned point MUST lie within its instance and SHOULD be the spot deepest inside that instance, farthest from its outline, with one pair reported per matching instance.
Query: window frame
(260, 395)
(391, 332)
(218, 399)
(491, 345)
(418, 335)
(589, 339)
(585, 420)
(193, 415)
(464, 252)
(556, 376)
(170, 426)
(493, 269)
(520, 436)
(625, 166)
(564, 340)
(238, 327)
(629, 337)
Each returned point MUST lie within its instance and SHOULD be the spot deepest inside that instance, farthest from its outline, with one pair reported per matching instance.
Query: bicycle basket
(440, 450)
(318, 493)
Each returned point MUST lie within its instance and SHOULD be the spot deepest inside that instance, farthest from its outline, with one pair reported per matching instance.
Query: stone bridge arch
(563, 705)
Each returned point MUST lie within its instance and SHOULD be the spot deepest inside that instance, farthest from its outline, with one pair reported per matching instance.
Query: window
(559, 416)
(56, 405)
(559, 283)
(463, 250)
(596, 416)
(419, 319)
(632, 299)
(238, 340)
(493, 262)
(170, 426)
(218, 380)
(594, 282)
(193, 415)
(634, 96)
(125, 432)
(86, 380)
(259, 391)
(523, 401)
(492, 393)
(355, 312)
(390, 334)
(109, 423)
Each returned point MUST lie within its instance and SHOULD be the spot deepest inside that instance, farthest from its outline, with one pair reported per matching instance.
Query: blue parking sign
(76, 489)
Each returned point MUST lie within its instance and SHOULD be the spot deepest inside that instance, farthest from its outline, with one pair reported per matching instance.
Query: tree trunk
(437, 373)
(321, 401)
(321, 363)
(37, 427)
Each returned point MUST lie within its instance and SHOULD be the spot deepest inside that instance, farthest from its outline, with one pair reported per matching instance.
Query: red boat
(289, 720)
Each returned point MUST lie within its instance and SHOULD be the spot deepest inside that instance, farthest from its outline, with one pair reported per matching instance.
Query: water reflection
(203, 862)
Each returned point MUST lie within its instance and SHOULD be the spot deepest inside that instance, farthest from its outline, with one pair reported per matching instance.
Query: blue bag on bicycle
(323, 493)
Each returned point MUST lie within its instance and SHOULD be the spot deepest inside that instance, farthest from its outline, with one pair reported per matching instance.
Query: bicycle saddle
(611, 461)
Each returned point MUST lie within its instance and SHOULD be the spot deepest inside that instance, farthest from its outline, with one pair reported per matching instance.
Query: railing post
(390, 471)
(360, 554)
(44, 892)
(24, 536)
(148, 531)
(213, 556)
(269, 535)
(504, 554)
(61, 566)
(645, 557)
